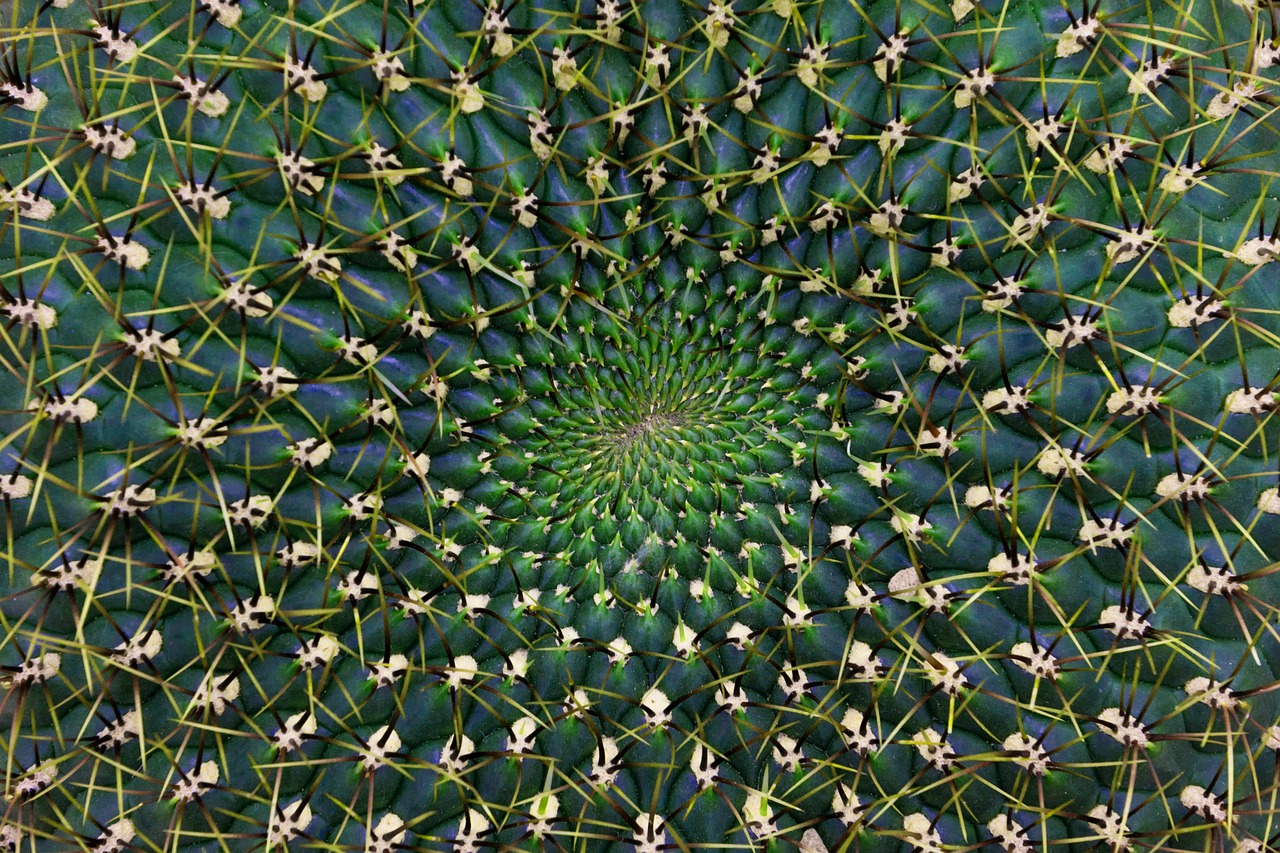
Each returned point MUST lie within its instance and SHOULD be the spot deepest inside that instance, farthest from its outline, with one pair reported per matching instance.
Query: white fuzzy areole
(861, 663)
(1208, 806)
(379, 747)
(1258, 251)
(225, 12)
(299, 173)
(875, 473)
(1107, 158)
(78, 410)
(473, 826)
(543, 812)
(984, 497)
(1211, 693)
(1008, 835)
(138, 649)
(1183, 486)
(182, 567)
(1112, 827)
(319, 263)
(965, 184)
(1017, 571)
(1028, 754)
(276, 381)
(1058, 462)
(1150, 77)
(923, 837)
(934, 749)
(197, 433)
(976, 84)
(948, 359)
(892, 138)
(846, 805)
(907, 585)
(27, 98)
(203, 199)
(1181, 178)
(252, 614)
(387, 672)
(1269, 501)
(117, 45)
(857, 733)
(1123, 622)
(297, 553)
(318, 652)
(129, 500)
(1128, 245)
(889, 56)
(1001, 295)
(1040, 133)
(812, 60)
(1213, 580)
(33, 315)
(388, 68)
(212, 104)
(116, 837)
(125, 251)
(38, 669)
(310, 452)
(252, 510)
(239, 296)
(110, 141)
(28, 204)
(1248, 401)
(1226, 103)
(656, 705)
(288, 821)
(564, 69)
(469, 96)
(946, 674)
(1036, 661)
(197, 783)
(1191, 310)
(935, 441)
(305, 80)
(1071, 332)
(15, 487)
(386, 835)
(1121, 727)
(1133, 401)
(212, 693)
(152, 345)
(1078, 36)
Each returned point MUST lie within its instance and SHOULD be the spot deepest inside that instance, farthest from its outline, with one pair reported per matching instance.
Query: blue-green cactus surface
(639, 425)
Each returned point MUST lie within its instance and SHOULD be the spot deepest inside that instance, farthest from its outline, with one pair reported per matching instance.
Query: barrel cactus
(639, 425)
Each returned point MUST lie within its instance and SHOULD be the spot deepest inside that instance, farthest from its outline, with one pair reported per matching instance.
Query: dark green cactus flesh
(620, 425)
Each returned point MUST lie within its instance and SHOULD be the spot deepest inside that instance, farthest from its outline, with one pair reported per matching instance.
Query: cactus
(636, 425)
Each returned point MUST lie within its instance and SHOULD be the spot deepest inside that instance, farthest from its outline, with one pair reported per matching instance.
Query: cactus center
(673, 417)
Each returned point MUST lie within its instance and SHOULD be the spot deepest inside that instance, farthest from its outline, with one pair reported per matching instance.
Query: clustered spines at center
(675, 426)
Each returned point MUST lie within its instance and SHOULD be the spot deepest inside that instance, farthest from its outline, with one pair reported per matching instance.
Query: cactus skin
(810, 426)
